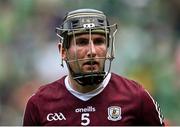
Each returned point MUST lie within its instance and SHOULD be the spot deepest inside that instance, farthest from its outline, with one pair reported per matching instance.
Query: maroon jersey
(122, 102)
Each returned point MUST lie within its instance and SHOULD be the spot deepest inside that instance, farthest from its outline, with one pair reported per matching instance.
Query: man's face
(87, 53)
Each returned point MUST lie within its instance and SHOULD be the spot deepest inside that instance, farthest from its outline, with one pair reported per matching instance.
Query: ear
(62, 51)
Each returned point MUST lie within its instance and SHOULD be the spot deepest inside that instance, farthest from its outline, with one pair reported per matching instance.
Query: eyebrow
(80, 39)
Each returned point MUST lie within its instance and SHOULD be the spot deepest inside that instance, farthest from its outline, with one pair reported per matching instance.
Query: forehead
(87, 35)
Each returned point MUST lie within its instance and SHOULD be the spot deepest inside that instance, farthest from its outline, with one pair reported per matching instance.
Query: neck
(79, 88)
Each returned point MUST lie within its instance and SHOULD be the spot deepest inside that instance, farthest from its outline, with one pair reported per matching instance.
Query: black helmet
(87, 21)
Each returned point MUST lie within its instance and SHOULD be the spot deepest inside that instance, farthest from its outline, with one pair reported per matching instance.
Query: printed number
(85, 119)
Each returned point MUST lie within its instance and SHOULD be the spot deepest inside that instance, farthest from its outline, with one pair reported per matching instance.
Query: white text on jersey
(87, 109)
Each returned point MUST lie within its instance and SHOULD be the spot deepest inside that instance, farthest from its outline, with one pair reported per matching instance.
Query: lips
(91, 63)
(90, 66)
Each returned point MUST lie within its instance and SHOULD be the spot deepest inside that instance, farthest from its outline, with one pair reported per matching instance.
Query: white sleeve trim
(157, 108)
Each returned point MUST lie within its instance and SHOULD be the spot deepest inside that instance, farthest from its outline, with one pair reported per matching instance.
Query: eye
(82, 42)
(99, 41)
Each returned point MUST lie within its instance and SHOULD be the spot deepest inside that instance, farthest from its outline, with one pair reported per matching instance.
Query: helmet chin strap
(87, 78)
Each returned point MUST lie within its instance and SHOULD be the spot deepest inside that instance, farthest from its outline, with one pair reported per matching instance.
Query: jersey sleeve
(150, 110)
(31, 116)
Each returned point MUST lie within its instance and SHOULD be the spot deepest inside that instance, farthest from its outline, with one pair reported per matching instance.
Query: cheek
(101, 51)
(80, 52)
(71, 53)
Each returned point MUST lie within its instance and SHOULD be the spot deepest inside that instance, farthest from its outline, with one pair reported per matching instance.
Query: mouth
(91, 63)
(91, 66)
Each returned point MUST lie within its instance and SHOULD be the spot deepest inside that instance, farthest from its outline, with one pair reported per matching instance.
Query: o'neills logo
(87, 109)
(55, 116)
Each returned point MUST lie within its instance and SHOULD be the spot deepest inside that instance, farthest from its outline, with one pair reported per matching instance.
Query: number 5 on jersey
(85, 119)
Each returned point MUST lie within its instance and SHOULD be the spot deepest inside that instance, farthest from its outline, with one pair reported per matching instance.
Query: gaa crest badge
(114, 113)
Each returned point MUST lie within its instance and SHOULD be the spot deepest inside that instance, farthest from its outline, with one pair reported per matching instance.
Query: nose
(92, 50)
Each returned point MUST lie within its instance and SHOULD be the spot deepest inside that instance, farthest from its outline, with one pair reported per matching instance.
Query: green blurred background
(147, 49)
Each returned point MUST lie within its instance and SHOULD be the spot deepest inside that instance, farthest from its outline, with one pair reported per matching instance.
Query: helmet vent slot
(75, 23)
(101, 22)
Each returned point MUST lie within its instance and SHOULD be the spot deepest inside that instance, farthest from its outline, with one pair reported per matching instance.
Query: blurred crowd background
(147, 49)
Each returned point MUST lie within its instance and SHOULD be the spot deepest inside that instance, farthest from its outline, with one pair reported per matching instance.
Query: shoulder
(124, 88)
(125, 83)
(48, 91)
(128, 88)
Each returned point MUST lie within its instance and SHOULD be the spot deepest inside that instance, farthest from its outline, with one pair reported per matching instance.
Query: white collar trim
(87, 96)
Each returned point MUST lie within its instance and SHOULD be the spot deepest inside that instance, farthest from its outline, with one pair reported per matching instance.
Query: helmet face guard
(87, 21)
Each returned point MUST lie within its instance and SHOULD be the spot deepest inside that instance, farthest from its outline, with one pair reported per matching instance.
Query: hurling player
(90, 94)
